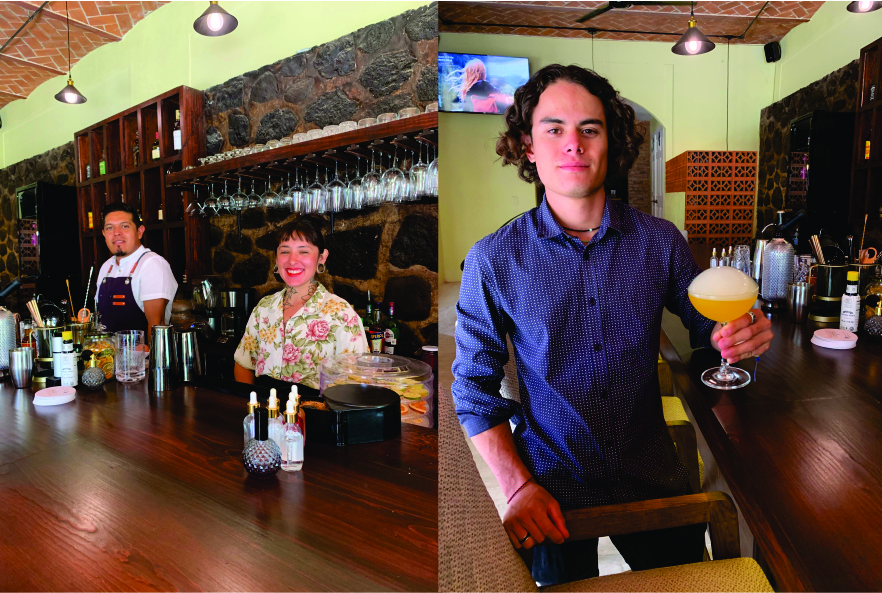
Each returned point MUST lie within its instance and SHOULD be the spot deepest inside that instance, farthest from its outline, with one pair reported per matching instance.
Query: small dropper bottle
(248, 424)
(276, 423)
(714, 260)
(292, 454)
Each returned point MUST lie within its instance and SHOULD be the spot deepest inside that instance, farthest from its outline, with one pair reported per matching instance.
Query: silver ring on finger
(752, 317)
(525, 538)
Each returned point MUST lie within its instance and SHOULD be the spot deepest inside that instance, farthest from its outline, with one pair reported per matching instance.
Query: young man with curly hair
(578, 285)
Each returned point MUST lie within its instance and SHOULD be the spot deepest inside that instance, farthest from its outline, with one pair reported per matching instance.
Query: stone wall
(391, 251)
(640, 175)
(53, 166)
(384, 67)
(835, 92)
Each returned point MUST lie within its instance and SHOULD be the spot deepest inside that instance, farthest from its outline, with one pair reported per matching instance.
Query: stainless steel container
(21, 365)
(189, 360)
(43, 340)
(162, 374)
(79, 331)
(777, 272)
(9, 336)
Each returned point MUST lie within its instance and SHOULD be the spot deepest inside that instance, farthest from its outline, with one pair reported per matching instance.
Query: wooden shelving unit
(142, 183)
(866, 176)
(347, 148)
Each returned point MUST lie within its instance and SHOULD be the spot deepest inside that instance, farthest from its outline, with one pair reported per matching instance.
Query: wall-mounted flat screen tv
(473, 83)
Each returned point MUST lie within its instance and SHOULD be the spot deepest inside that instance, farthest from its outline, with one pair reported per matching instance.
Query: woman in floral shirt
(292, 331)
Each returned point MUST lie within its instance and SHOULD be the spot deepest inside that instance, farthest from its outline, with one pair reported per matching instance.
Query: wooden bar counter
(127, 490)
(801, 451)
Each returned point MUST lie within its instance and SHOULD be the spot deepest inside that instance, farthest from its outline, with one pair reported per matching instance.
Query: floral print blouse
(326, 325)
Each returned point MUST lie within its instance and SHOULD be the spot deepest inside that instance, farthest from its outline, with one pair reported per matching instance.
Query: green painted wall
(163, 51)
(686, 95)
(675, 208)
(833, 38)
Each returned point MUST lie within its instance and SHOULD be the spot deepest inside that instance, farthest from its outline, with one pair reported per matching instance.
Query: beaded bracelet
(518, 490)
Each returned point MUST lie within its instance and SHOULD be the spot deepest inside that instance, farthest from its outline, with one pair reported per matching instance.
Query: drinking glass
(253, 197)
(211, 202)
(367, 122)
(355, 191)
(317, 195)
(239, 200)
(741, 259)
(336, 191)
(131, 356)
(419, 175)
(394, 182)
(370, 183)
(297, 193)
(723, 294)
(269, 199)
(284, 200)
(432, 176)
(223, 202)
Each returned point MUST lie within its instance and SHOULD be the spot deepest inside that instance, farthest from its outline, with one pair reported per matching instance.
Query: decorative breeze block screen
(720, 190)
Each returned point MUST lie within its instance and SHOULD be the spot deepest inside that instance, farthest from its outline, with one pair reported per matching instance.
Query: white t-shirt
(152, 279)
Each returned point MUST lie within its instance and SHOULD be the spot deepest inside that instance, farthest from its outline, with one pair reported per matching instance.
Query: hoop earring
(276, 269)
(320, 268)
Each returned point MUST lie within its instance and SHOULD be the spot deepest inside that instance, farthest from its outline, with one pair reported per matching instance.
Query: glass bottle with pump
(851, 302)
(248, 424)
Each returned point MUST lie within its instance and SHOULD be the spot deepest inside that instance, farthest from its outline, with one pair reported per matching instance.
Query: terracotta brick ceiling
(558, 19)
(39, 51)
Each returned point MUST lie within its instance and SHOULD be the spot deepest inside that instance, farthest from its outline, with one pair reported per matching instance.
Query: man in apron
(135, 287)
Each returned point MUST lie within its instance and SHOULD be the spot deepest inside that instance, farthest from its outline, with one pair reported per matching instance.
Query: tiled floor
(610, 561)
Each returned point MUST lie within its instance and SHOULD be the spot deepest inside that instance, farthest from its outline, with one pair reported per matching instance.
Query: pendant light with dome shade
(69, 94)
(693, 42)
(215, 21)
(863, 6)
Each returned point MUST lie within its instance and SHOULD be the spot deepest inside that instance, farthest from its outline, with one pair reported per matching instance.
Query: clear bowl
(366, 122)
(432, 107)
(410, 379)
(257, 148)
(286, 141)
(386, 117)
(408, 112)
(348, 126)
(314, 134)
(331, 130)
(299, 137)
(273, 144)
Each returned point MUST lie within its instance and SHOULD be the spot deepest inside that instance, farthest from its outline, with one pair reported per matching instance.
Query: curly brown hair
(624, 139)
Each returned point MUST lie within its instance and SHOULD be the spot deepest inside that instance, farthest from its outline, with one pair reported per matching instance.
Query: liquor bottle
(102, 168)
(714, 260)
(154, 150)
(248, 424)
(159, 214)
(368, 315)
(91, 221)
(176, 132)
(292, 452)
(135, 149)
(867, 150)
(375, 331)
(390, 335)
(261, 457)
(851, 302)
(88, 171)
(276, 425)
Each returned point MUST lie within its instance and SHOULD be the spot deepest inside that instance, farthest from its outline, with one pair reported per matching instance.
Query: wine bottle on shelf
(390, 335)
(135, 149)
(154, 150)
(176, 133)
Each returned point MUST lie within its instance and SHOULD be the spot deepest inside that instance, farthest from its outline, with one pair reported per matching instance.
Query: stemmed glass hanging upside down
(723, 294)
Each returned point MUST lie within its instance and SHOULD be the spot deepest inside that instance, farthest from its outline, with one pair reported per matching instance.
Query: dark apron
(116, 302)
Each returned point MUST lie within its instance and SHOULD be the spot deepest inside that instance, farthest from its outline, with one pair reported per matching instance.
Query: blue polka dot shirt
(585, 321)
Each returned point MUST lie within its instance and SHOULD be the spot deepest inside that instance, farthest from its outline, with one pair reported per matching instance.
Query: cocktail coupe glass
(336, 190)
(370, 183)
(723, 294)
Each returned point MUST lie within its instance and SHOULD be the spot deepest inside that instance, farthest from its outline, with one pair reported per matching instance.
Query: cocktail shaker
(162, 374)
(189, 360)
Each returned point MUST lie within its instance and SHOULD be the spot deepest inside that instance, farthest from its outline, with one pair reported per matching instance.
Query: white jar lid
(838, 339)
(53, 396)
